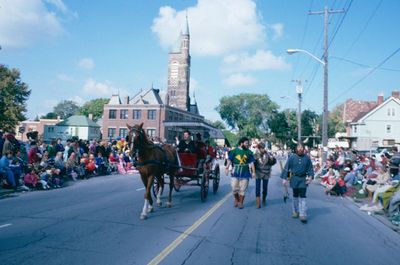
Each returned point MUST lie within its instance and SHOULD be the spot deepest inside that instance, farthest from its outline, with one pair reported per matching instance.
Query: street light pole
(299, 91)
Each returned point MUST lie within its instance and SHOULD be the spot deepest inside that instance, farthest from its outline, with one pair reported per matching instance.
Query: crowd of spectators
(37, 165)
(373, 177)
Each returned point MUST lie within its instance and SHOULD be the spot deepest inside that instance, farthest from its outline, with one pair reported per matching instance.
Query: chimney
(127, 100)
(380, 99)
(396, 94)
(90, 116)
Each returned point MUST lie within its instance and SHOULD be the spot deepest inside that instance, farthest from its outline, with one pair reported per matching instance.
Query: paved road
(97, 222)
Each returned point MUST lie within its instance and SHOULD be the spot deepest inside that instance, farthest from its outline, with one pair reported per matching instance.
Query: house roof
(115, 100)
(371, 112)
(147, 97)
(355, 109)
(78, 121)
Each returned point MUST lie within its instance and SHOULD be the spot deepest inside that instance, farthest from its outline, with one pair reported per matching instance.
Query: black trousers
(299, 192)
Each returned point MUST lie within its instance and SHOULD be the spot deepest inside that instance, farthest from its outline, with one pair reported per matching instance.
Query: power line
(364, 65)
(364, 28)
(368, 74)
(340, 23)
(302, 42)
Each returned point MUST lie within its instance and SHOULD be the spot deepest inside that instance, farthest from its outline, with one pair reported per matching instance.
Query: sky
(80, 50)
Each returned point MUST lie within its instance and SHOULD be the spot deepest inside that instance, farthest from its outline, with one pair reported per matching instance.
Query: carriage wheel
(177, 184)
(216, 180)
(204, 187)
(157, 186)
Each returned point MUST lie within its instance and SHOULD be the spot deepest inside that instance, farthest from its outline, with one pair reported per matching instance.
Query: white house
(78, 125)
(380, 127)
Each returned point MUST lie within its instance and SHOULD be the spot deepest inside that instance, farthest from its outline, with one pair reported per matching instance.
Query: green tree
(13, 95)
(50, 115)
(95, 107)
(249, 113)
(217, 124)
(335, 121)
(231, 137)
(66, 109)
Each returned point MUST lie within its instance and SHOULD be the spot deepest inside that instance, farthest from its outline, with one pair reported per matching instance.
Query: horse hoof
(159, 204)
(143, 217)
(150, 210)
(169, 205)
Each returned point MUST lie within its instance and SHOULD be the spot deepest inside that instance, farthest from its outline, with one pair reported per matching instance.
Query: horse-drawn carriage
(194, 172)
(199, 171)
(154, 162)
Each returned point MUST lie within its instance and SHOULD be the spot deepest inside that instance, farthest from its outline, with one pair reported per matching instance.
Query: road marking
(139, 189)
(188, 231)
(5, 225)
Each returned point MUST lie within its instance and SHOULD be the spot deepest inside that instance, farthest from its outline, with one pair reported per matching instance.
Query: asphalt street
(96, 221)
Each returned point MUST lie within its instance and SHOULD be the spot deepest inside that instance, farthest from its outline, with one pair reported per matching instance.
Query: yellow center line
(163, 254)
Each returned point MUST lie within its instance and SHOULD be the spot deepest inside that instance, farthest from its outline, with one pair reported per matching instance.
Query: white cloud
(97, 89)
(78, 100)
(277, 30)
(23, 23)
(261, 60)
(239, 79)
(216, 26)
(86, 63)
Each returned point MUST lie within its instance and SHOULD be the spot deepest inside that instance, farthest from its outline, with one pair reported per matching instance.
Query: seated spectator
(350, 177)
(73, 168)
(121, 164)
(45, 160)
(101, 166)
(34, 156)
(31, 179)
(113, 162)
(91, 165)
(59, 163)
(6, 170)
(382, 179)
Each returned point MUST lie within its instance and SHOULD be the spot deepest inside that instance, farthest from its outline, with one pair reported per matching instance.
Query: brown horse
(153, 161)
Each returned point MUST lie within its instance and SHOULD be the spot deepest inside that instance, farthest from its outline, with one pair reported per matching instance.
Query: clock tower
(179, 72)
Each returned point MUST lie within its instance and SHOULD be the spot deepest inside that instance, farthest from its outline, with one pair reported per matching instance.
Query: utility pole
(299, 91)
(326, 14)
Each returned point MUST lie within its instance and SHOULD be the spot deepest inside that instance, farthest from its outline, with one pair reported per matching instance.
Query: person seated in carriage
(186, 145)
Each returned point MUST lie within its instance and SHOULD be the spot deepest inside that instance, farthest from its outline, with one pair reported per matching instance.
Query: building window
(123, 114)
(123, 132)
(151, 132)
(112, 114)
(388, 128)
(111, 132)
(151, 114)
(50, 129)
(393, 112)
(355, 129)
(137, 113)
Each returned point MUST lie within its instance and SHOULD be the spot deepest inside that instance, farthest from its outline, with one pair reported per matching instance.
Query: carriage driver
(186, 145)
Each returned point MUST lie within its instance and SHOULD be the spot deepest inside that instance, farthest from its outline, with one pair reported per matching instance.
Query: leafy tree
(231, 137)
(66, 109)
(95, 107)
(50, 115)
(335, 121)
(217, 124)
(249, 113)
(279, 127)
(13, 95)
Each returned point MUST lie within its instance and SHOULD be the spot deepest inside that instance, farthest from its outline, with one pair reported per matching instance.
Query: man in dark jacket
(300, 171)
(186, 145)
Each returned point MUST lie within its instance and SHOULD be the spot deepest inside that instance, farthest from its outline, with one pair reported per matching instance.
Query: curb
(380, 217)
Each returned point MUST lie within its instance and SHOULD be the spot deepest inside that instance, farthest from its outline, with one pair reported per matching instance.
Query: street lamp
(325, 108)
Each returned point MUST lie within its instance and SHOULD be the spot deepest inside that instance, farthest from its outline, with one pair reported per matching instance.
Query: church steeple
(179, 72)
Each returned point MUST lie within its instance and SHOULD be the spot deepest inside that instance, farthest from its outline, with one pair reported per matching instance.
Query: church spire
(186, 28)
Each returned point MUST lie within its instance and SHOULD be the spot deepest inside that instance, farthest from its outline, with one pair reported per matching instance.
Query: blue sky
(80, 50)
